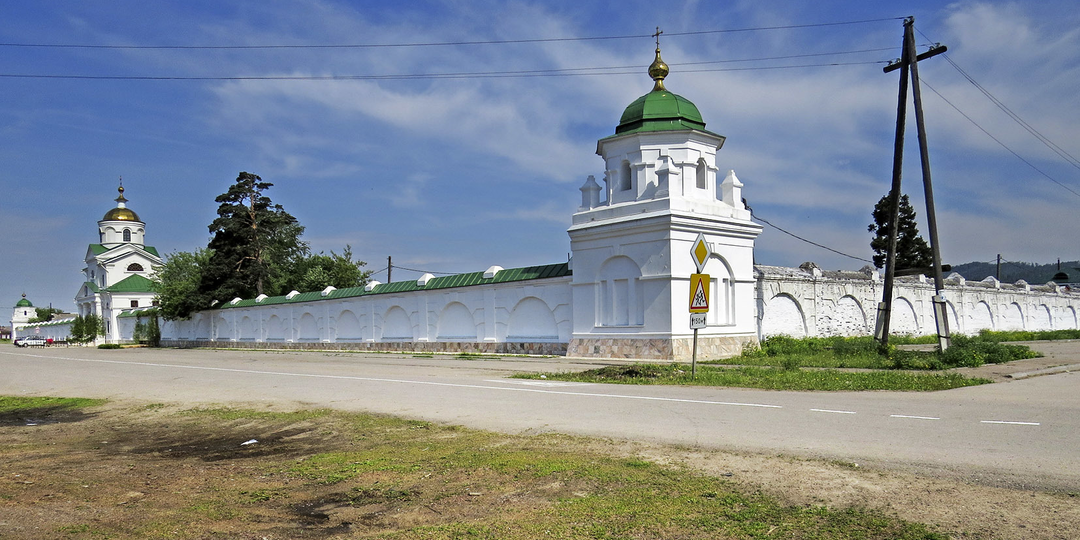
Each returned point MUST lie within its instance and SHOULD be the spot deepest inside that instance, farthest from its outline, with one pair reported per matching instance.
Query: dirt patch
(137, 471)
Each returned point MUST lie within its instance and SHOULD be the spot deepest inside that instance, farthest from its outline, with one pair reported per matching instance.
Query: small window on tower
(134, 303)
(135, 267)
(127, 235)
(702, 172)
(625, 183)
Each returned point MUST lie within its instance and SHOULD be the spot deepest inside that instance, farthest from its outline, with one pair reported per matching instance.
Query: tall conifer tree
(911, 250)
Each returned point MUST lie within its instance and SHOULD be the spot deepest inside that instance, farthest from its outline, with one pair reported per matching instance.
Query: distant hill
(1036, 274)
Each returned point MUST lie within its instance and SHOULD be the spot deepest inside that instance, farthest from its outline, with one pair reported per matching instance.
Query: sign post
(699, 294)
(699, 310)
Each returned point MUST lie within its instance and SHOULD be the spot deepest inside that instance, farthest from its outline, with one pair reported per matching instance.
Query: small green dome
(23, 302)
(660, 110)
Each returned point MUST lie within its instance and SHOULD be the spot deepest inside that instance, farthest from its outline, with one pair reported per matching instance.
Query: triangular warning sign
(701, 298)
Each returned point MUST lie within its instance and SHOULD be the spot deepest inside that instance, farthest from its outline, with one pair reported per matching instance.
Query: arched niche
(980, 318)
(620, 293)
(456, 323)
(307, 328)
(348, 326)
(847, 319)
(275, 329)
(903, 320)
(396, 325)
(246, 330)
(532, 320)
(783, 316)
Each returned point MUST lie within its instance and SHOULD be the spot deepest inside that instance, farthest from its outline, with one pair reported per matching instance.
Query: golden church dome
(121, 214)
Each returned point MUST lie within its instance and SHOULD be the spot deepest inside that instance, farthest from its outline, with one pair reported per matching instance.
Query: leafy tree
(317, 272)
(85, 328)
(45, 314)
(253, 242)
(178, 284)
(148, 332)
(911, 250)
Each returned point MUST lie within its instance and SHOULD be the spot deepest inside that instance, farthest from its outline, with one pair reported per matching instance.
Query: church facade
(118, 269)
(624, 293)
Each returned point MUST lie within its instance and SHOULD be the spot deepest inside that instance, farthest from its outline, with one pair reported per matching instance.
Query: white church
(624, 293)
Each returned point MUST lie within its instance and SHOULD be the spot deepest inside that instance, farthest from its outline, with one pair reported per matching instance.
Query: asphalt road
(1024, 432)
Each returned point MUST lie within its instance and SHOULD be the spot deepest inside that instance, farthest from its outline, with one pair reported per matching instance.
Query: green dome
(660, 110)
(23, 302)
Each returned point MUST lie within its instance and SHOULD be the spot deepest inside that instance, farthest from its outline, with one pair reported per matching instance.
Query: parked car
(30, 341)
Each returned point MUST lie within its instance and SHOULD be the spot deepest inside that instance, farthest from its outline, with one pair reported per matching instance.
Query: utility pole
(389, 267)
(908, 66)
(997, 273)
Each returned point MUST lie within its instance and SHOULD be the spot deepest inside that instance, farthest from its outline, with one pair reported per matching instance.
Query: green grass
(1023, 335)
(228, 414)
(769, 378)
(9, 404)
(864, 352)
(408, 464)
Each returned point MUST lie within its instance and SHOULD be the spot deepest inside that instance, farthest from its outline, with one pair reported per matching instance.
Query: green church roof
(660, 110)
(23, 302)
(133, 283)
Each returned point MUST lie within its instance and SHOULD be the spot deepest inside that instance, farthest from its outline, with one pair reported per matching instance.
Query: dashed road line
(832, 411)
(1011, 423)
(914, 417)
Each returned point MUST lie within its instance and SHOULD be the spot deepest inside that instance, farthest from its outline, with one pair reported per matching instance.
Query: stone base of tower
(676, 349)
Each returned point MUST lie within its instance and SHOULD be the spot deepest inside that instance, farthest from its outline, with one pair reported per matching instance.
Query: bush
(109, 346)
(974, 352)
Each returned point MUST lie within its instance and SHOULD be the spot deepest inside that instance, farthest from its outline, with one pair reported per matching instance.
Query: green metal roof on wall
(446, 282)
(132, 284)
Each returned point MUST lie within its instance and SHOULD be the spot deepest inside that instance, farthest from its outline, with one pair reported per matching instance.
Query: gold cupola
(121, 212)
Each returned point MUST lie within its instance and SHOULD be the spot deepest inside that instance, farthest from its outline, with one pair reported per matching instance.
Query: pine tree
(254, 242)
(911, 250)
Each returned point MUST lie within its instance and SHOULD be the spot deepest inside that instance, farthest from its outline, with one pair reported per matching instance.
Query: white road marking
(832, 411)
(546, 384)
(1011, 423)
(914, 417)
(406, 381)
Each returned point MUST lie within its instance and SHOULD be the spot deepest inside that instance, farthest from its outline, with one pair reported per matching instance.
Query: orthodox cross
(657, 36)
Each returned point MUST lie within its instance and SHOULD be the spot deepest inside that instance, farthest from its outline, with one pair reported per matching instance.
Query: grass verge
(864, 352)
(769, 378)
(339, 475)
(15, 405)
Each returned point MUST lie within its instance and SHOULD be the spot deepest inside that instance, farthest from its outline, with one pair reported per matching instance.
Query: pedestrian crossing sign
(699, 293)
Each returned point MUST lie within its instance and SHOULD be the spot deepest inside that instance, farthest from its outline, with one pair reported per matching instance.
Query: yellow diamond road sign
(700, 252)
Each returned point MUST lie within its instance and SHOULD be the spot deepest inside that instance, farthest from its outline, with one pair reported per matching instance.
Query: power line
(433, 44)
(423, 271)
(1061, 152)
(995, 139)
(569, 72)
(763, 220)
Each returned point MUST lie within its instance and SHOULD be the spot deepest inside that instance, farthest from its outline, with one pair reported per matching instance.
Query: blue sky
(457, 174)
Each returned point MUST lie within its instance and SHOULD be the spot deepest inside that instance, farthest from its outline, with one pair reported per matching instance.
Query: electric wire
(995, 139)
(436, 44)
(1061, 152)
(789, 233)
(565, 72)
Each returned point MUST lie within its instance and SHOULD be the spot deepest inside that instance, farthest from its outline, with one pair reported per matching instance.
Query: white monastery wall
(523, 316)
(806, 301)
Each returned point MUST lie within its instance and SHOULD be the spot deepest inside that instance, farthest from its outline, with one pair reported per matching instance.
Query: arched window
(702, 171)
(127, 235)
(135, 267)
(624, 177)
